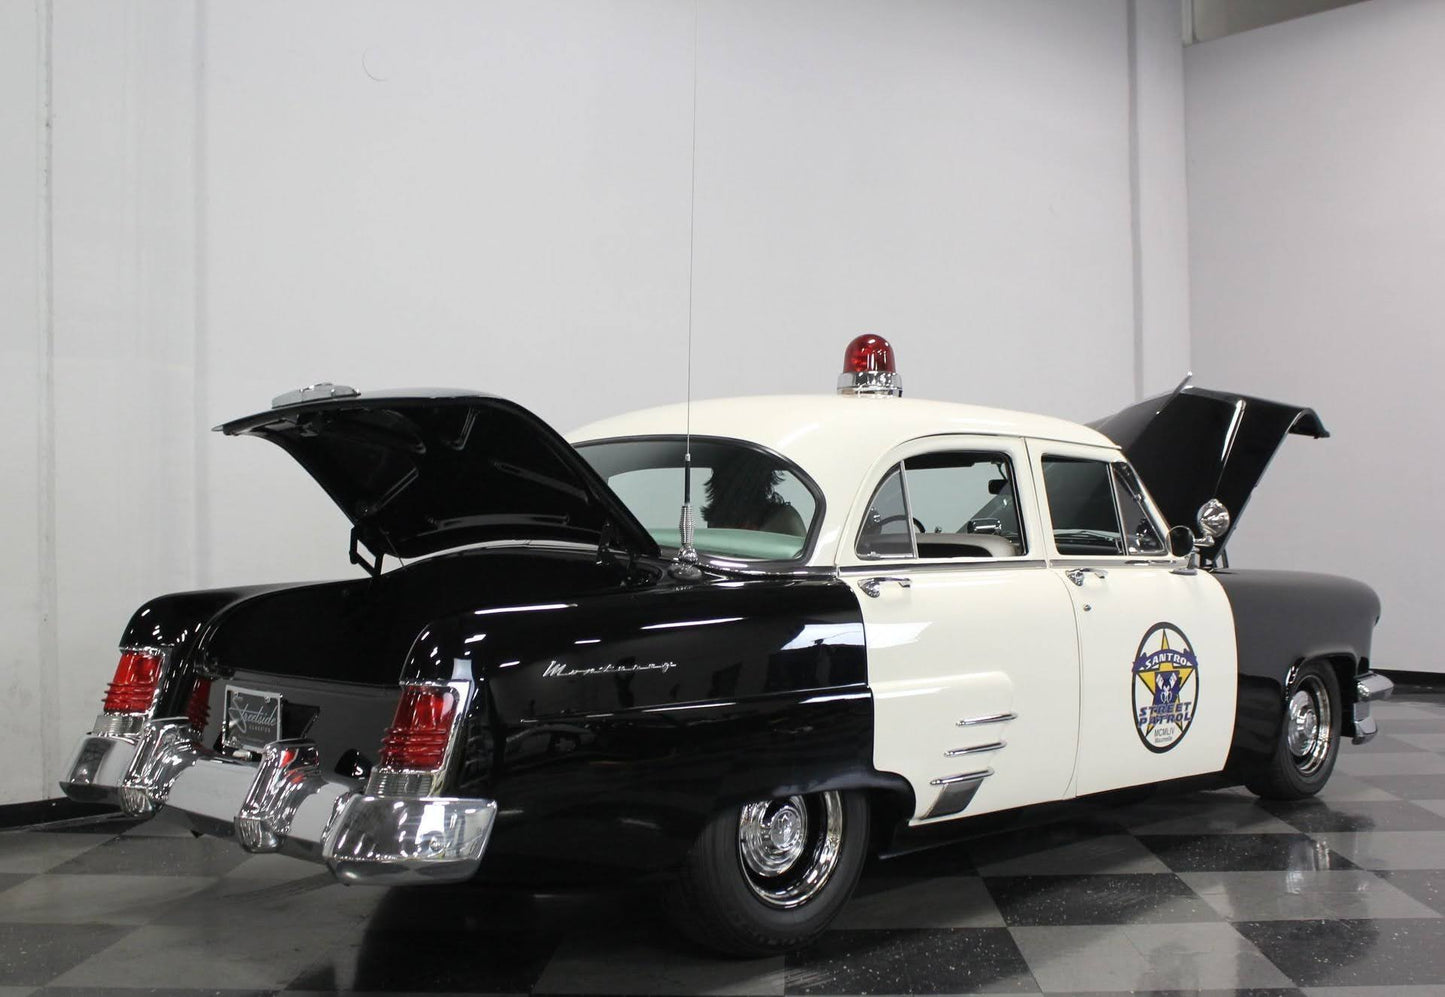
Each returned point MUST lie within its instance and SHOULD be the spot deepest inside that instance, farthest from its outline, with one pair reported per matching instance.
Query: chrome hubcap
(770, 834)
(1308, 726)
(789, 847)
(1304, 724)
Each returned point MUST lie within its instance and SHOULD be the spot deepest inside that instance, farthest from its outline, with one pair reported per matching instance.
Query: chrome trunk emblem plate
(253, 719)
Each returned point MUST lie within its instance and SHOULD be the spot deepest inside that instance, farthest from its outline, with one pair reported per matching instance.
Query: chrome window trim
(907, 509)
(944, 564)
(1125, 475)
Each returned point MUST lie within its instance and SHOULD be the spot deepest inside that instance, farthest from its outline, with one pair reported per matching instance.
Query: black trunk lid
(422, 471)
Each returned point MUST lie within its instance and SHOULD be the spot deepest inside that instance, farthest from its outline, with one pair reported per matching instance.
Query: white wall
(251, 198)
(1317, 249)
(25, 616)
(1160, 216)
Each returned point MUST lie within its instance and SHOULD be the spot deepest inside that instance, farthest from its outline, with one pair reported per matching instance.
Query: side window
(1142, 534)
(886, 531)
(945, 505)
(1081, 503)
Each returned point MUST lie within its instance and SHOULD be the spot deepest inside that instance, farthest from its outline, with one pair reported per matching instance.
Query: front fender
(1283, 618)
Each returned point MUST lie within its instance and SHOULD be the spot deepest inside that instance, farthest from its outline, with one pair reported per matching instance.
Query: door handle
(873, 586)
(1076, 575)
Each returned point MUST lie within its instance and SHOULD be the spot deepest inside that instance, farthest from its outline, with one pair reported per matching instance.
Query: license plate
(253, 719)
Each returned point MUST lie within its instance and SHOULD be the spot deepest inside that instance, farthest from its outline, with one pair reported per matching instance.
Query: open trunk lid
(424, 470)
(1196, 444)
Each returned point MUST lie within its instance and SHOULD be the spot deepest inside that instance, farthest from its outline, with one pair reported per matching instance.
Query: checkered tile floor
(1213, 892)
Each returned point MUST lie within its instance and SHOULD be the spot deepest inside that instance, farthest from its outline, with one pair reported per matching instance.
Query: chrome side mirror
(1181, 541)
(1213, 522)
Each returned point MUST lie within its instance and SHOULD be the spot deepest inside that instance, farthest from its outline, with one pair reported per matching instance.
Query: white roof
(812, 426)
(836, 439)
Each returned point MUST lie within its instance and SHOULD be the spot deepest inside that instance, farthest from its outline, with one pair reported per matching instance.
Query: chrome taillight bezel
(409, 782)
(126, 725)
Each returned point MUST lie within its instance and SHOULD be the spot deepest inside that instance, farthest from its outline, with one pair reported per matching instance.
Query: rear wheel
(1309, 738)
(772, 874)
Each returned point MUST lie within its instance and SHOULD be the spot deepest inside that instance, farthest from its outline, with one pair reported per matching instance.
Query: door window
(945, 505)
(1081, 501)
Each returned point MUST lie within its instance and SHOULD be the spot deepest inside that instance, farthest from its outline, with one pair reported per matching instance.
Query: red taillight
(134, 685)
(198, 710)
(421, 729)
(869, 353)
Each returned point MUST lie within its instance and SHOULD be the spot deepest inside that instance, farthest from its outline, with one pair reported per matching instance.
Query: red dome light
(869, 368)
(868, 352)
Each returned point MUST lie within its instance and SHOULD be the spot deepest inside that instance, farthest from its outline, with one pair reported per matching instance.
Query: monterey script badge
(1166, 687)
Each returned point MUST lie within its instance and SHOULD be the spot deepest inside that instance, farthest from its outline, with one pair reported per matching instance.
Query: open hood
(1195, 445)
(421, 471)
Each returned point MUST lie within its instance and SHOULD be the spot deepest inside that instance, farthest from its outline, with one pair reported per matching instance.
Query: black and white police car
(876, 615)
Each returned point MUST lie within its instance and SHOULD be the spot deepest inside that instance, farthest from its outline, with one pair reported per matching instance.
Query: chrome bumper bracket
(166, 749)
(286, 776)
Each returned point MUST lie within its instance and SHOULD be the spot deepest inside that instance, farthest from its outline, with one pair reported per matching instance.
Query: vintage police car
(876, 613)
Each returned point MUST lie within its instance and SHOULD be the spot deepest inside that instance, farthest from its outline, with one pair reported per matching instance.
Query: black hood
(421, 471)
(1196, 444)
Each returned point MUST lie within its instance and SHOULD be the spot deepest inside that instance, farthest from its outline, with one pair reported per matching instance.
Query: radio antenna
(685, 565)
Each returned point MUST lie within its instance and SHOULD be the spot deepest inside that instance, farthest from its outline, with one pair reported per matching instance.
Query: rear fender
(612, 727)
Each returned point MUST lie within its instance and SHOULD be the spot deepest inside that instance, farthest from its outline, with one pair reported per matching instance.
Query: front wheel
(772, 874)
(1309, 738)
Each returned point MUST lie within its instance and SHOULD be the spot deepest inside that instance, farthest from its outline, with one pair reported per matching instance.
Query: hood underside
(422, 471)
(1196, 444)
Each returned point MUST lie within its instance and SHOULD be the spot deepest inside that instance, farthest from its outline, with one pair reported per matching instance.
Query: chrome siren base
(875, 383)
(284, 803)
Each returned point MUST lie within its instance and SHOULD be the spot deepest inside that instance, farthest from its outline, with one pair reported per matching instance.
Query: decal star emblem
(1151, 677)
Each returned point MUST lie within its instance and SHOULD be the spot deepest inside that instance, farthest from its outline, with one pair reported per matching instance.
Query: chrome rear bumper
(1369, 688)
(284, 803)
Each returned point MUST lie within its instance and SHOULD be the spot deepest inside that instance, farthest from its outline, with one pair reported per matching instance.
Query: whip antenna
(685, 565)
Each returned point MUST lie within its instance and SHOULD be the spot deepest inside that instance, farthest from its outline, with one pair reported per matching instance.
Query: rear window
(747, 502)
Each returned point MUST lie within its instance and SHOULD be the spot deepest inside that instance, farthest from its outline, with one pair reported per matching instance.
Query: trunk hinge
(610, 544)
(372, 567)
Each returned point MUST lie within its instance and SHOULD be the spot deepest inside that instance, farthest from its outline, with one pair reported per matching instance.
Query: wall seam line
(201, 564)
(48, 637)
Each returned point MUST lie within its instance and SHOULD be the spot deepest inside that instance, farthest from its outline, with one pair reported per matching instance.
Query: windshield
(747, 503)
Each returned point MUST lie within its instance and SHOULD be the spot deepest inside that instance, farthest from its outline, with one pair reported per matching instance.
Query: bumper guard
(1369, 688)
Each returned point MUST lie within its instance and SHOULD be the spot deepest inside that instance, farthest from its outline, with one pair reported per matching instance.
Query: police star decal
(1166, 687)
